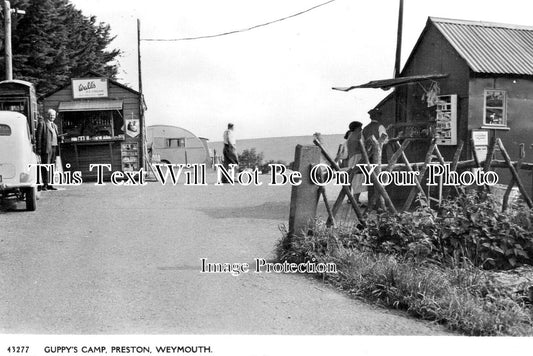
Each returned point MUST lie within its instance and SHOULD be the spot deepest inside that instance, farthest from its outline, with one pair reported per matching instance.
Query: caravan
(175, 145)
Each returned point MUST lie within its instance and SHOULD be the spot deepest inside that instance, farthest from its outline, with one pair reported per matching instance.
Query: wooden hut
(465, 76)
(102, 122)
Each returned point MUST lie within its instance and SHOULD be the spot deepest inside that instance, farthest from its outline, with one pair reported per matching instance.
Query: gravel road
(126, 260)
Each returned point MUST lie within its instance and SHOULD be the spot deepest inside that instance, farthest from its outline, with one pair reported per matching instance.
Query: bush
(463, 298)
(249, 158)
(434, 264)
(264, 168)
(470, 228)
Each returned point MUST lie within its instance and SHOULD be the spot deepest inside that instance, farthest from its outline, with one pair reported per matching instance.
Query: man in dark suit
(46, 144)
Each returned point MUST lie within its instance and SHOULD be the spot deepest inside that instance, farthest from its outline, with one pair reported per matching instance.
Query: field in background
(280, 148)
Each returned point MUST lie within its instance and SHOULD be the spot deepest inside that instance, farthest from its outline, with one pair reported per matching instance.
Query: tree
(250, 159)
(265, 167)
(54, 42)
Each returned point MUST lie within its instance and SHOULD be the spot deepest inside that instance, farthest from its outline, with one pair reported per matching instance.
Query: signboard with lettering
(480, 137)
(480, 140)
(87, 88)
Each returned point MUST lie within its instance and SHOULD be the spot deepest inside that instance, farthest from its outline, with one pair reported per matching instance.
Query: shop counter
(81, 154)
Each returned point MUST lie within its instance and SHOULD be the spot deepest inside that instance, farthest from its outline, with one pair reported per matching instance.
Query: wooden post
(340, 199)
(345, 188)
(379, 188)
(139, 68)
(408, 166)
(453, 166)
(412, 193)
(490, 154)
(331, 217)
(441, 161)
(514, 173)
(304, 197)
(400, 151)
(521, 156)
(7, 41)
(377, 152)
(398, 57)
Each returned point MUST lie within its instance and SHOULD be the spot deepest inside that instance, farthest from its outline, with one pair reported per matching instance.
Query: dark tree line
(53, 42)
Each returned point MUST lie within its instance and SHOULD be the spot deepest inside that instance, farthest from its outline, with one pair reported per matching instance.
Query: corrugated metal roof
(90, 105)
(490, 47)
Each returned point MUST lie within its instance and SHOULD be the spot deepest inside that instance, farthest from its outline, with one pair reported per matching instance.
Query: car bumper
(13, 186)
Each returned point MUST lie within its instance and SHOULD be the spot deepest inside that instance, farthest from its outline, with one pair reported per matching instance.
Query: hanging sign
(480, 137)
(87, 88)
(480, 140)
(132, 126)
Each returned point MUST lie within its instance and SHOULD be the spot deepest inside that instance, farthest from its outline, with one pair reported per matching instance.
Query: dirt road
(122, 260)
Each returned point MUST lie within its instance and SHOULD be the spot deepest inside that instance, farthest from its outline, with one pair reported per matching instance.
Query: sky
(275, 80)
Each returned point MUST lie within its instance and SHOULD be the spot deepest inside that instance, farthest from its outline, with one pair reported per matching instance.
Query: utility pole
(139, 55)
(397, 62)
(141, 97)
(7, 40)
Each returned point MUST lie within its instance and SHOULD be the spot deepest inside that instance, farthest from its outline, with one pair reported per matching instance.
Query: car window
(5, 130)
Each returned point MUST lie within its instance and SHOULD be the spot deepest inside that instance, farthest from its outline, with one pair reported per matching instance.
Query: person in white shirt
(376, 129)
(230, 147)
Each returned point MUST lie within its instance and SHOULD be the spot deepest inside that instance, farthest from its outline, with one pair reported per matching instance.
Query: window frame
(4, 132)
(180, 142)
(503, 108)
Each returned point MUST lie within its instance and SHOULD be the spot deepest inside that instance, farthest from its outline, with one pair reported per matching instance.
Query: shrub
(469, 228)
(463, 297)
(431, 263)
(264, 168)
(249, 158)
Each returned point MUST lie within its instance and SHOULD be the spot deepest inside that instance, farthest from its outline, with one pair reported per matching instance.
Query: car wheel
(31, 198)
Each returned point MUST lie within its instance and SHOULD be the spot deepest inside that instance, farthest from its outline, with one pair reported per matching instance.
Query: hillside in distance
(280, 148)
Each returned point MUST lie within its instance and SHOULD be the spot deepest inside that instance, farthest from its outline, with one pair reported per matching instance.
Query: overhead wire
(237, 31)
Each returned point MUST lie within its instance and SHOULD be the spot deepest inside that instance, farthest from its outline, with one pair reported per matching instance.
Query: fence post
(304, 197)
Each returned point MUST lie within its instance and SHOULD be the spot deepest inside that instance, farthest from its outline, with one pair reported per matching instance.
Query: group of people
(350, 152)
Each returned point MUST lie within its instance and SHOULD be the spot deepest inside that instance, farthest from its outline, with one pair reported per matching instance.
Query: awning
(386, 84)
(90, 105)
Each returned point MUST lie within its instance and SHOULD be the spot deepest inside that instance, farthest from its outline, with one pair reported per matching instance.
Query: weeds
(429, 265)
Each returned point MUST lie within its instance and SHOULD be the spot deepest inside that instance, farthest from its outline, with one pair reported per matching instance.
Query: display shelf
(446, 120)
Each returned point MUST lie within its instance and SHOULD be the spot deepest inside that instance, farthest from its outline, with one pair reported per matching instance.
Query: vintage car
(18, 179)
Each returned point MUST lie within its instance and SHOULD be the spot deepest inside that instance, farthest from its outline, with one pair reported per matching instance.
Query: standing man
(230, 148)
(354, 156)
(46, 144)
(376, 129)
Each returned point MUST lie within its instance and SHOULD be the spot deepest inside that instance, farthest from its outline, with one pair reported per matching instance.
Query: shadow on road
(12, 206)
(269, 211)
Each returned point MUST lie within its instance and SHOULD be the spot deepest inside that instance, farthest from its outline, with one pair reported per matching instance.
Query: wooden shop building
(464, 77)
(102, 122)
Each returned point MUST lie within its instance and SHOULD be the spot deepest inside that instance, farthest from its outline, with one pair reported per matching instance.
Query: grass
(462, 298)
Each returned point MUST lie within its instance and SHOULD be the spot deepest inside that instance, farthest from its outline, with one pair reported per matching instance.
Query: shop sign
(89, 88)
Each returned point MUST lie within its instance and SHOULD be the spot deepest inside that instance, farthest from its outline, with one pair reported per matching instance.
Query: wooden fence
(305, 197)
